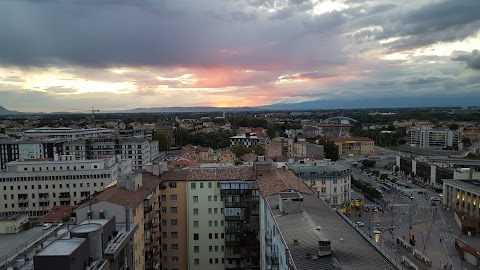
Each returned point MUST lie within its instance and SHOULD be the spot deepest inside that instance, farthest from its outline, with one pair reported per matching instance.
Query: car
(360, 224)
(46, 226)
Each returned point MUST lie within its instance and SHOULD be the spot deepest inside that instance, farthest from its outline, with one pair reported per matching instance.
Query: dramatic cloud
(472, 60)
(244, 52)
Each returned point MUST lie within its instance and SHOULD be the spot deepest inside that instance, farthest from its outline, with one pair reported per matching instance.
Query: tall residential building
(355, 146)
(427, 137)
(11, 150)
(222, 217)
(34, 186)
(140, 151)
(66, 133)
(331, 181)
(134, 199)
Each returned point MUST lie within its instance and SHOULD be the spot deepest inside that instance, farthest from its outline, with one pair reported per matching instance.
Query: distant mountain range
(4, 111)
(387, 102)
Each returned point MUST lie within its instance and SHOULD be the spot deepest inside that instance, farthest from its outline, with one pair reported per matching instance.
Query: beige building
(228, 157)
(135, 199)
(355, 146)
(174, 220)
(13, 224)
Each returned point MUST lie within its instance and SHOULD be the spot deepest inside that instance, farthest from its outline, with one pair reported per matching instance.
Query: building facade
(33, 187)
(355, 146)
(331, 181)
(427, 137)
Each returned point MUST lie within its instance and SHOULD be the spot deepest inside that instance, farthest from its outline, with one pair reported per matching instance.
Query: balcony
(235, 230)
(235, 192)
(237, 204)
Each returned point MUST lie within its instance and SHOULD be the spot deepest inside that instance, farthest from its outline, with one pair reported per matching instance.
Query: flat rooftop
(351, 253)
(62, 247)
(465, 183)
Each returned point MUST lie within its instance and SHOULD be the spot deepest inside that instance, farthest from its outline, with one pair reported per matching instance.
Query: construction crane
(93, 115)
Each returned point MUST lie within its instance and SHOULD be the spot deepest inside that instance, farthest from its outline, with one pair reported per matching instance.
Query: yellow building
(355, 146)
(227, 158)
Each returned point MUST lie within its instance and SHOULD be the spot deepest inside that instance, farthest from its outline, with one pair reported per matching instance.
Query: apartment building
(134, 199)
(34, 186)
(99, 244)
(11, 150)
(221, 216)
(140, 151)
(247, 140)
(66, 133)
(355, 146)
(427, 137)
(298, 230)
(331, 181)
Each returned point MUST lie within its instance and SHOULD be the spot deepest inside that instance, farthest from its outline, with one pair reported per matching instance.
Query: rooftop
(465, 183)
(351, 253)
(122, 196)
(279, 180)
(62, 247)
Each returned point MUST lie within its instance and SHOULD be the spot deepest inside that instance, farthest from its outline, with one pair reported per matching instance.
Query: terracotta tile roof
(279, 180)
(57, 213)
(122, 196)
(351, 139)
(199, 174)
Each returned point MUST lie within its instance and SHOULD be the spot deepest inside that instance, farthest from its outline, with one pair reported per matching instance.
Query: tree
(466, 141)
(453, 126)
(330, 149)
(164, 141)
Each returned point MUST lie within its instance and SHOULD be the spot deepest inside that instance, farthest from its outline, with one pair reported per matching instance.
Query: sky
(72, 55)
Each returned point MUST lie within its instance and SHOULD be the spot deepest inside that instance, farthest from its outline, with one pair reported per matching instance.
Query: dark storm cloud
(471, 59)
(429, 24)
(155, 33)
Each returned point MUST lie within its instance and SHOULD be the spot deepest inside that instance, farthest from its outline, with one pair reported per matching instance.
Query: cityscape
(239, 135)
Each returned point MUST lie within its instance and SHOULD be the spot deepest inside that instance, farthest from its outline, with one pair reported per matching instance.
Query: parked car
(46, 226)
(360, 224)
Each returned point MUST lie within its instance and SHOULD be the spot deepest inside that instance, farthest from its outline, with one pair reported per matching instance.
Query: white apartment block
(246, 140)
(34, 186)
(140, 151)
(331, 181)
(66, 133)
(206, 225)
(427, 137)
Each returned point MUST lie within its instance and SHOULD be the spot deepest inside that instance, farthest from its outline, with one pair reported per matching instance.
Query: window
(173, 197)
(193, 185)
(195, 199)
(195, 211)
(196, 261)
(195, 224)
(173, 210)
(195, 236)
(196, 249)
